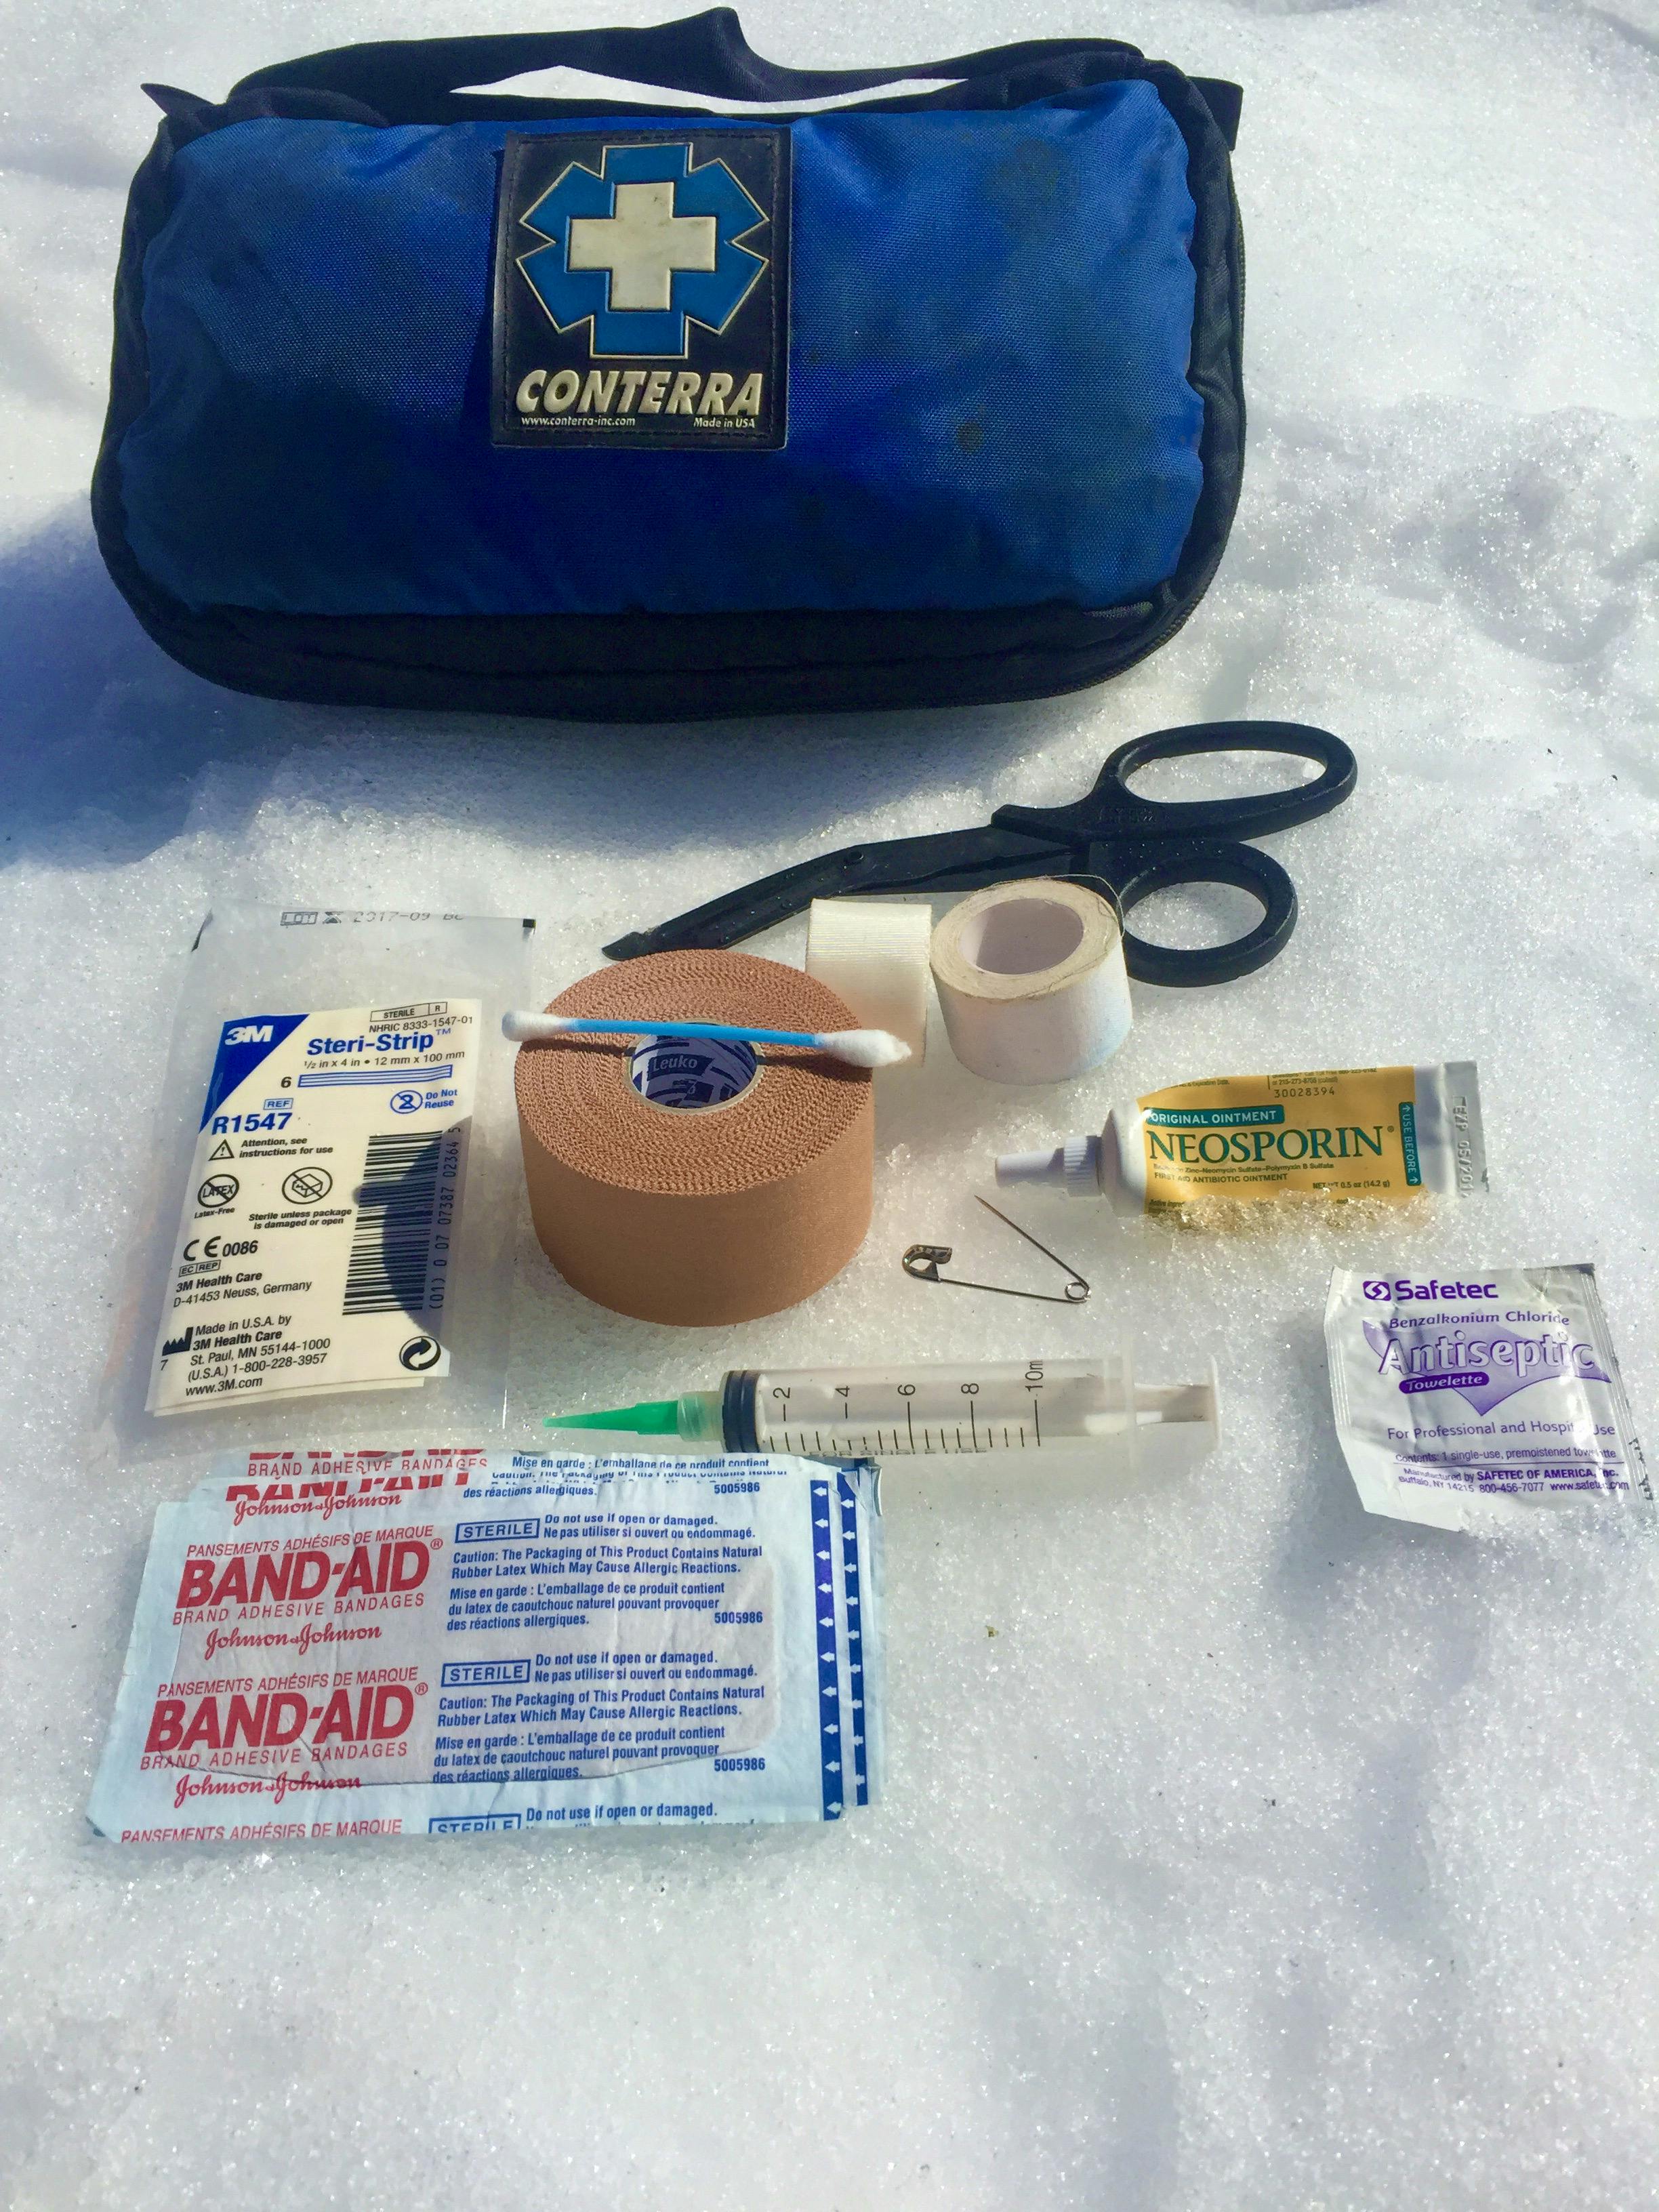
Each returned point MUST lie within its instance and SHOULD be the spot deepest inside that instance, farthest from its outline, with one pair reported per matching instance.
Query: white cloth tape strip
(1032, 981)
(873, 954)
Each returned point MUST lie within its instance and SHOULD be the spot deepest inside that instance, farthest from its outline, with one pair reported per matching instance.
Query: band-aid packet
(452, 1643)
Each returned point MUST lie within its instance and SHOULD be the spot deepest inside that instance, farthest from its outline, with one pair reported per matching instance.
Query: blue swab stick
(859, 1047)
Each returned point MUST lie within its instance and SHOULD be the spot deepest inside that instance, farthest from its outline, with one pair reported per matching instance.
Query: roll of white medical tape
(1032, 981)
(873, 953)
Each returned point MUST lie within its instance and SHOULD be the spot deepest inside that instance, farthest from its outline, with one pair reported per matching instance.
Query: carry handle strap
(416, 79)
(706, 54)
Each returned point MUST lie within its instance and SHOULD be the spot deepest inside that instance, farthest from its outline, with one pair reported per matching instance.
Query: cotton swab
(858, 1047)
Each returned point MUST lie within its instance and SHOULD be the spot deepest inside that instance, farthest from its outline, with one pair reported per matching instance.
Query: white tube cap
(1073, 1167)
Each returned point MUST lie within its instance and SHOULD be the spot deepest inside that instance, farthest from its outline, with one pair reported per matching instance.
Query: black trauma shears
(1136, 845)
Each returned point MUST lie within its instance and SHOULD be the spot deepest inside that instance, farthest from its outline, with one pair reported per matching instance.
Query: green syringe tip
(654, 1417)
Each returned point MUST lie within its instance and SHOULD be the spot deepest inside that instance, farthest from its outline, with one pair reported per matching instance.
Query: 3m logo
(641, 289)
(243, 1043)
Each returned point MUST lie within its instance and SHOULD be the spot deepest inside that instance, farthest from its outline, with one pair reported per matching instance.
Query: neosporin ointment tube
(1377, 1133)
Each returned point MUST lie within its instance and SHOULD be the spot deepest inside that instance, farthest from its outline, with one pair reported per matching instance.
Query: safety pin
(921, 1262)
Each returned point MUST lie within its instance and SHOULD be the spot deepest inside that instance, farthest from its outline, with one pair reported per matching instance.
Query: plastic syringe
(970, 1408)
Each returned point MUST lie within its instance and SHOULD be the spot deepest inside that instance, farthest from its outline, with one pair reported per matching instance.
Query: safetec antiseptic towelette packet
(445, 1643)
(1480, 1395)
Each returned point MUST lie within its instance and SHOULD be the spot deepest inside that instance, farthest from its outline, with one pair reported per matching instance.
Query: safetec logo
(1401, 1291)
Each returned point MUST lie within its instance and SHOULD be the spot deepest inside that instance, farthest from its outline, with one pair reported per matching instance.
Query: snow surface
(1239, 1850)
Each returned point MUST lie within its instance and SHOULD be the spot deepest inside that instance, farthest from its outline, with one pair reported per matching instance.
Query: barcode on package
(397, 1211)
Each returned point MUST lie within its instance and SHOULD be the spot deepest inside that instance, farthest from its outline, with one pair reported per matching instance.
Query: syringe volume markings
(851, 1412)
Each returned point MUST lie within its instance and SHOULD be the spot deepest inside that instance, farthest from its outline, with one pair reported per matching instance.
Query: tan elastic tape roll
(696, 1215)
(1032, 980)
(873, 954)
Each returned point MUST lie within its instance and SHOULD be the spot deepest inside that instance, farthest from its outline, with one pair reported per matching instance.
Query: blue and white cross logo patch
(641, 289)
(641, 247)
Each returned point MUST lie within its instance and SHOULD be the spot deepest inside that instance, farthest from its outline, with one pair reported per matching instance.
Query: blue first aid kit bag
(425, 396)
